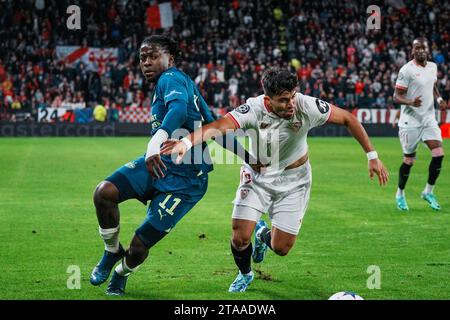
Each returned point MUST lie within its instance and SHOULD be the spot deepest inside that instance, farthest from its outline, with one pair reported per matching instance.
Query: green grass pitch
(47, 223)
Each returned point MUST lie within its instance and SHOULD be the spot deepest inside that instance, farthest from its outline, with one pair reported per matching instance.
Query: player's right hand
(154, 166)
(417, 102)
(377, 167)
(177, 147)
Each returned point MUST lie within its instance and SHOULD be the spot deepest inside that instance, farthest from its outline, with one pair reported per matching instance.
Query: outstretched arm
(342, 117)
(211, 130)
(229, 142)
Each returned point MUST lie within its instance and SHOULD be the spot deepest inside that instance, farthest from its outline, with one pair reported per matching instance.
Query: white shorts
(411, 137)
(285, 198)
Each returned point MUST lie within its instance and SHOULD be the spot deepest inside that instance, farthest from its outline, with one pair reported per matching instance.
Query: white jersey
(418, 81)
(277, 141)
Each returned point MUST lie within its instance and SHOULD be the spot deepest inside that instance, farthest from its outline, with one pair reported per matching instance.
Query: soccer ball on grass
(345, 295)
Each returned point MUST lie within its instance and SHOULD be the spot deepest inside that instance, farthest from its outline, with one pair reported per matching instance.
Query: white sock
(111, 238)
(428, 188)
(400, 192)
(124, 270)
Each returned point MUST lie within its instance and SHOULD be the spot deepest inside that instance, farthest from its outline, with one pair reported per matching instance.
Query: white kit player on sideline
(280, 187)
(416, 90)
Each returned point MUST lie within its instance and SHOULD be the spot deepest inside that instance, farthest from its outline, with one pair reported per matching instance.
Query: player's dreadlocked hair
(275, 81)
(165, 43)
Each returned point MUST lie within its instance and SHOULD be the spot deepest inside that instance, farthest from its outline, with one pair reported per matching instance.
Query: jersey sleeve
(172, 88)
(175, 117)
(402, 79)
(317, 111)
(207, 114)
(243, 116)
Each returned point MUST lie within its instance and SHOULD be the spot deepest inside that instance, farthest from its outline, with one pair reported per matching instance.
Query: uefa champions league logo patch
(322, 106)
(243, 108)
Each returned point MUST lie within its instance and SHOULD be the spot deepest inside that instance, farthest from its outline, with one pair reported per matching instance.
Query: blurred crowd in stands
(225, 46)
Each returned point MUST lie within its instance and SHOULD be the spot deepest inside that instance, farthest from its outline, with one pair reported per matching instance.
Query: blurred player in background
(172, 189)
(416, 90)
(282, 187)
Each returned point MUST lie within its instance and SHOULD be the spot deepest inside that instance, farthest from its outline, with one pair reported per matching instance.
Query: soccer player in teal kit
(177, 110)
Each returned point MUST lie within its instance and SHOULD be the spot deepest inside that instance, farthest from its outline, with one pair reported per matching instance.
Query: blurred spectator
(100, 113)
(340, 100)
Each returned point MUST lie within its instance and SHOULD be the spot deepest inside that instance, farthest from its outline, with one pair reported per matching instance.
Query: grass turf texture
(47, 223)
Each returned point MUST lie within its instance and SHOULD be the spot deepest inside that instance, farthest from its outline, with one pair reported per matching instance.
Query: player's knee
(281, 250)
(240, 242)
(409, 160)
(138, 252)
(105, 192)
(437, 152)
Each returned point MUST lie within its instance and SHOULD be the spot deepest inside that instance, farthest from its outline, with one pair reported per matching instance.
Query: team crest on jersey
(244, 193)
(243, 108)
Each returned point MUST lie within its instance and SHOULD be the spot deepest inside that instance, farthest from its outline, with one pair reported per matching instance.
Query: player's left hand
(154, 166)
(443, 105)
(377, 167)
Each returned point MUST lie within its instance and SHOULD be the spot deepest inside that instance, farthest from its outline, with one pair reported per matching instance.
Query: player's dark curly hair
(275, 81)
(165, 43)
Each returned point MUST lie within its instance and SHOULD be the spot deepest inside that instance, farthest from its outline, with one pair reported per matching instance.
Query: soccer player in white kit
(416, 90)
(278, 123)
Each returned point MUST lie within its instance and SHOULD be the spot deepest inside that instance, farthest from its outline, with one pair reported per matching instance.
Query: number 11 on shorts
(176, 202)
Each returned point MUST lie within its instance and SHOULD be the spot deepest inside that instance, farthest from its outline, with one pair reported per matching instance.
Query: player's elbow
(182, 114)
(349, 119)
(398, 97)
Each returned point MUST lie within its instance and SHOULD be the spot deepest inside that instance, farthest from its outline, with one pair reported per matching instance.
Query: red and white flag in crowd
(95, 59)
(399, 5)
(160, 16)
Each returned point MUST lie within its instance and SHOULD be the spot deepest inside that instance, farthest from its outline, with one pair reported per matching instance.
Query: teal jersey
(178, 108)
